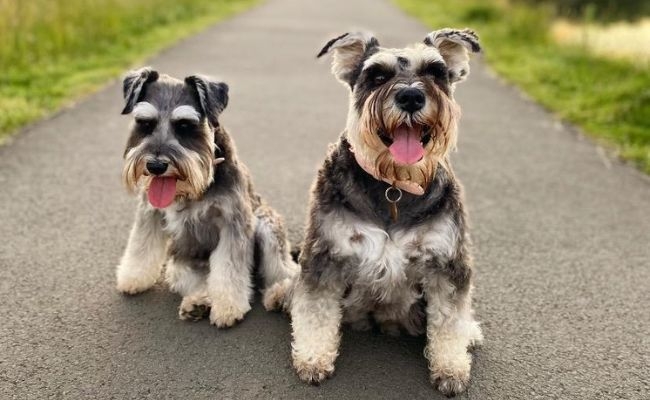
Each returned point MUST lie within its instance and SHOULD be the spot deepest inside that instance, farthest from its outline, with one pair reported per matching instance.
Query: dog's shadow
(252, 359)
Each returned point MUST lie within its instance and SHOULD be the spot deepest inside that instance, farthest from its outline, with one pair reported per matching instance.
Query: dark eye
(184, 126)
(380, 79)
(436, 70)
(146, 126)
(378, 75)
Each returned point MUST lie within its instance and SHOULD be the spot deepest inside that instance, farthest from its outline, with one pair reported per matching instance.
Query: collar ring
(393, 194)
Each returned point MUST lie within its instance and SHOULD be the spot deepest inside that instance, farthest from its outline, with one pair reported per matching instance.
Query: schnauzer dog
(386, 243)
(198, 213)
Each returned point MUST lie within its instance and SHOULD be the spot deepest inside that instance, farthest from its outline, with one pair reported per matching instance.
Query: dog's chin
(163, 191)
(407, 144)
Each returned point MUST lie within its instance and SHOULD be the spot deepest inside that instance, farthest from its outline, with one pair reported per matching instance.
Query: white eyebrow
(145, 110)
(185, 112)
(387, 59)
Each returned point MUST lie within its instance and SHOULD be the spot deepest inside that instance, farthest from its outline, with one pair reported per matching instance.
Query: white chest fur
(389, 260)
(180, 216)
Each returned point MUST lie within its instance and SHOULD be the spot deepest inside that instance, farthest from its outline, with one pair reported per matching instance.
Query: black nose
(156, 167)
(410, 99)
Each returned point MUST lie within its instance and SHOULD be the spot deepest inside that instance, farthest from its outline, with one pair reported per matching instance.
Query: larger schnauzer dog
(386, 242)
(198, 212)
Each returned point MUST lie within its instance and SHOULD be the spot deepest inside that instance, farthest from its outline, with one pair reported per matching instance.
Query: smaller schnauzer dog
(386, 242)
(198, 213)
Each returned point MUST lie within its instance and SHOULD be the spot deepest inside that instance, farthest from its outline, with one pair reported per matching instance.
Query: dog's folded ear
(134, 84)
(211, 95)
(455, 45)
(350, 50)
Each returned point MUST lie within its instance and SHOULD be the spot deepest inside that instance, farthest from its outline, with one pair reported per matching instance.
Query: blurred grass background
(554, 50)
(52, 51)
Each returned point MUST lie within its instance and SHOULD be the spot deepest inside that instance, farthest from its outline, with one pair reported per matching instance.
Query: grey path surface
(561, 239)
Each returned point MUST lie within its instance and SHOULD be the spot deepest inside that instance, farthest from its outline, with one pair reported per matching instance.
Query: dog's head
(402, 119)
(170, 151)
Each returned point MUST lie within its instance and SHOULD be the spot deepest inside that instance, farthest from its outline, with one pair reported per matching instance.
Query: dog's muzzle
(162, 189)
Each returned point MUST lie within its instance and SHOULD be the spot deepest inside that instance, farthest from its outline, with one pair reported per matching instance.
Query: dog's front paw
(225, 315)
(452, 379)
(313, 370)
(194, 308)
(134, 283)
(450, 385)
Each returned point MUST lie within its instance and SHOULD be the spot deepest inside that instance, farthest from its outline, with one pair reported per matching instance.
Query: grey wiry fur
(207, 237)
(360, 266)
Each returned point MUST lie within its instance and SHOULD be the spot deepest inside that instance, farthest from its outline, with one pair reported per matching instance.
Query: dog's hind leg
(277, 269)
(451, 330)
(190, 283)
(145, 252)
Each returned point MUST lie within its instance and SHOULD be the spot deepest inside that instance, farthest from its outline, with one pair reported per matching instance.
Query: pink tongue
(406, 147)
(162, 191)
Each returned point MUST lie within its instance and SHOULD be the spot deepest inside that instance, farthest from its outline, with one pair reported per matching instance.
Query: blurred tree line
(601, 10)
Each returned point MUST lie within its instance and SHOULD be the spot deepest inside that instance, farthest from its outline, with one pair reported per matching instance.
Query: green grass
(53, 51)
(609, 99)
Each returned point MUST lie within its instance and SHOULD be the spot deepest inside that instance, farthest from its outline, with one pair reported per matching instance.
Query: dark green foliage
(602, 10)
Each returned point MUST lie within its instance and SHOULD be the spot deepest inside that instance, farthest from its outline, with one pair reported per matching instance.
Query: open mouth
(406, 144)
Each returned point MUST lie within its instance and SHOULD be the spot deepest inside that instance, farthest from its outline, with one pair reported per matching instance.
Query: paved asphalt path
(561, 239)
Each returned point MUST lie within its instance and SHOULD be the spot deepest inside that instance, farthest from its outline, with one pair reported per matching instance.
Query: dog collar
(218, 153)
(407, 186)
